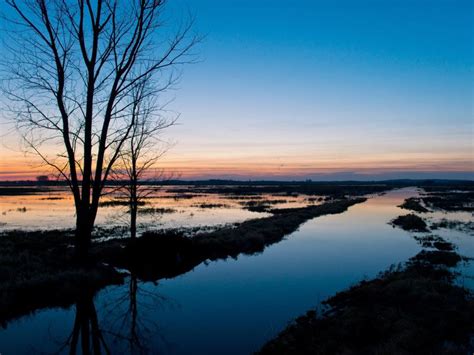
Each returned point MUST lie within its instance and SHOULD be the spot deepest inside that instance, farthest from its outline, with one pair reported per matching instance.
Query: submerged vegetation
(336, 190)
(434, 241)
(467, 227)
(155, 210)
(414, 204)
(211, 205)
(118, 202)
(256, 205)
(261, 205)
(450, 200)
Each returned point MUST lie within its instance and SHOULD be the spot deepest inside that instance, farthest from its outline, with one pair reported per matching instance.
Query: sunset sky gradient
(318, 89)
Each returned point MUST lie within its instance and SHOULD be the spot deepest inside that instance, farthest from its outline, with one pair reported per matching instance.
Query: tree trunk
(83, 236)
(133, 220)
(133, 203)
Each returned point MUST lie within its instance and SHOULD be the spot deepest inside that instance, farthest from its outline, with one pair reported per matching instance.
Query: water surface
(55, 209)
(235, 306)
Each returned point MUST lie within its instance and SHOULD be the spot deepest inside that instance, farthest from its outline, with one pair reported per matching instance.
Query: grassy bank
(415, 309)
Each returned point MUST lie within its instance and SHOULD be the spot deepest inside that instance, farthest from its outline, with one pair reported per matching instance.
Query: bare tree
(72, 69)
(141, 151)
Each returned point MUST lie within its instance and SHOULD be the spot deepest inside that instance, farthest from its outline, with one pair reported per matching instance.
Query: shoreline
(415, 308)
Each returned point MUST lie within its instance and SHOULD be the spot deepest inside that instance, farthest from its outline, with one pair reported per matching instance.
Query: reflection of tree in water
(129, 318)
(126, 324)
(86, 331)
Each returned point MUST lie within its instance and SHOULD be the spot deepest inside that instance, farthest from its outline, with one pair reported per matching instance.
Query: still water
(54, 209)
(235, 306)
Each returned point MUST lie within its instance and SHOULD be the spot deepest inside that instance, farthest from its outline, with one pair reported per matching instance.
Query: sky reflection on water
(55, 210)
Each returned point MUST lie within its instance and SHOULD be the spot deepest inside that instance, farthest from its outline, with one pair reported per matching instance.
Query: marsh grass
(434, 241)
(155, 210)
(450, 201)
(414, 204)
(467, 227)
(206, 205)
(410, 222)
(118, 202)
(182, 196)
(261, 205)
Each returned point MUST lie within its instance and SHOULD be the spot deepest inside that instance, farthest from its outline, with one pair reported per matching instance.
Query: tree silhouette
(136, 165)
(73, 68)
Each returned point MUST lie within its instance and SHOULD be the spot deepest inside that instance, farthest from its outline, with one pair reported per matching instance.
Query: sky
(319, 90)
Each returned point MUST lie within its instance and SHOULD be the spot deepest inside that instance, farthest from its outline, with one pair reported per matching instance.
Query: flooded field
(54, 209)
(228, 306)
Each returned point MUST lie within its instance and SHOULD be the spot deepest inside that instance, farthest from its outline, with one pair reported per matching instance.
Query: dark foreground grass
(36, 271)
(415, 309)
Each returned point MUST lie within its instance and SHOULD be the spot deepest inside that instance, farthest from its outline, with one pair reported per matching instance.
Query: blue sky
(296, 89)
(318, 86)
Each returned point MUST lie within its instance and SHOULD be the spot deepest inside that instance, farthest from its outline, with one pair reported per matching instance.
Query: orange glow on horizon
(20, 167)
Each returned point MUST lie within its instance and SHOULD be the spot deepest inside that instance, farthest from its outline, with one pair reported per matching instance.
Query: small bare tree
(141, 152)
(69, 78)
